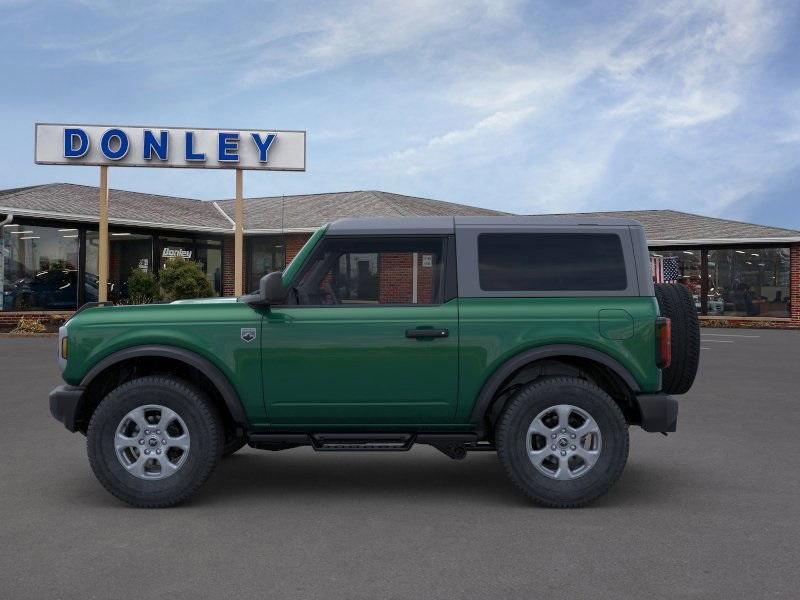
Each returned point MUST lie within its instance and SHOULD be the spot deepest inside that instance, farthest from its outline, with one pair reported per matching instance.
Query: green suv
(542, 339)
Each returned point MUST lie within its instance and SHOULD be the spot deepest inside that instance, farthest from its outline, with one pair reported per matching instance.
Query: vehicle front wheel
(563, 441)
(233, 444)
(154, 441)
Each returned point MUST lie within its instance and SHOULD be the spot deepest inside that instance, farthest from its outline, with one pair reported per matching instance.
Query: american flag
(664, 268)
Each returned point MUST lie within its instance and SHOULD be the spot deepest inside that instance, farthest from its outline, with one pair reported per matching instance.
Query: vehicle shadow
(303, 472)
(428, 476)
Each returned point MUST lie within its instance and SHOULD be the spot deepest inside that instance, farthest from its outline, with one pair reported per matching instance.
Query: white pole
(103, 254)
(238, 254)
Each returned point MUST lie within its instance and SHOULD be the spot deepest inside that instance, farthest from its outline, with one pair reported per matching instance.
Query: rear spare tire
(676, 302)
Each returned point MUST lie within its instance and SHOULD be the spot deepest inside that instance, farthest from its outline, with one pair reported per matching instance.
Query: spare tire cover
(676, 302)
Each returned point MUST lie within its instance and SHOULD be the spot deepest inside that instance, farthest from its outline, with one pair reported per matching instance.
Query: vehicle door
(369, 335)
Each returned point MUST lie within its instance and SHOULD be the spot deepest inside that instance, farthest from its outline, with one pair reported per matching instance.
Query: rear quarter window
(551, 262)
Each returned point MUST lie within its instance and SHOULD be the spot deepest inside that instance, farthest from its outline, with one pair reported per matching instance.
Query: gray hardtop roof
(448, 225)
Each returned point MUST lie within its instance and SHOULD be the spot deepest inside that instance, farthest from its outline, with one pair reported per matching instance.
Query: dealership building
(740, 274)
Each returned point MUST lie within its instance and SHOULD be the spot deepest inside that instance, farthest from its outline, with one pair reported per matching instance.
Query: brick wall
(45, 317)
(395, 279)
(295, 241)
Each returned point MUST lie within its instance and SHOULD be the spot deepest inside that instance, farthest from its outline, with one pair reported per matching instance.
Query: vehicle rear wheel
(563, 441)
(676, 302)
(154, 441)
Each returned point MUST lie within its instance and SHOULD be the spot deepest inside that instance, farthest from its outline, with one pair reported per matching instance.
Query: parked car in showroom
(51, 288)
(542, 339)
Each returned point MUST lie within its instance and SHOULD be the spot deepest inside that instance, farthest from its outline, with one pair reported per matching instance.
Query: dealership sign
(110, 145)
(176, 253)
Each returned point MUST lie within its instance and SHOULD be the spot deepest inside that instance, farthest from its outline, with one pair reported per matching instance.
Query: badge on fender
(248, 334)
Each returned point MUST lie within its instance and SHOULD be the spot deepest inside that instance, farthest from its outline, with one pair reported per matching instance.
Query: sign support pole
(103, 254)
(238, 253)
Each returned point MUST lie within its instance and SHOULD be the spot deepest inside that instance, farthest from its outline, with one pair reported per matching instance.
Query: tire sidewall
(512, 442)
(190, 405)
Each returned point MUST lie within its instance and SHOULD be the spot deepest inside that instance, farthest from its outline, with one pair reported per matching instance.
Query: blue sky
(529, 107)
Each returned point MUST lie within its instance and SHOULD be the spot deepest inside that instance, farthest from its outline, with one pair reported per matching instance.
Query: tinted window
(551, 262)
(373, 271)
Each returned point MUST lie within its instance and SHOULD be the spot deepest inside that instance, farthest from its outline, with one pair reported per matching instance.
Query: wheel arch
(570, 355)
(95, 382)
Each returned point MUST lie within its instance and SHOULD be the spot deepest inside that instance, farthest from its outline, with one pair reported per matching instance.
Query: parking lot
(712, 511)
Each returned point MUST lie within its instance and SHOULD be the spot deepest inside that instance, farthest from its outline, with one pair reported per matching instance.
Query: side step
(454, 445)
(362, 442)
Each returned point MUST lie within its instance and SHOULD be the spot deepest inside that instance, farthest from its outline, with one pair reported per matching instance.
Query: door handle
(427, 333)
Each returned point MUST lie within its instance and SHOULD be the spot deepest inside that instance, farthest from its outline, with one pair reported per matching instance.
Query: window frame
(446, 288)
(469, 273)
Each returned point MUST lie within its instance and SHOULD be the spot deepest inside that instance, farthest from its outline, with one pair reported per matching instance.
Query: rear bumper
(65, 401)
(659, 412)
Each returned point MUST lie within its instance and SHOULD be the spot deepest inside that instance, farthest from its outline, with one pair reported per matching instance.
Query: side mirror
(270, 290)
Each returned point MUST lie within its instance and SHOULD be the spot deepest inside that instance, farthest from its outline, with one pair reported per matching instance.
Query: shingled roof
(289, 213)
(671, 227)
(72, 202)
(308, 212)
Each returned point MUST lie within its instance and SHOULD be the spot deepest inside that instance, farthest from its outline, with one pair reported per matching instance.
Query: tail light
(663, 342)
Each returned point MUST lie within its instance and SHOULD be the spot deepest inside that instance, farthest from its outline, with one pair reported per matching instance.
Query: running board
(454, 445)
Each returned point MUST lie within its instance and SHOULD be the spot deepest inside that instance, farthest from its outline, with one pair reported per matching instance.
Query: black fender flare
(504, 371)
(202, 364)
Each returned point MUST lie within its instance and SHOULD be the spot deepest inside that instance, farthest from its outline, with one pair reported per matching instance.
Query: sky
(527, 107)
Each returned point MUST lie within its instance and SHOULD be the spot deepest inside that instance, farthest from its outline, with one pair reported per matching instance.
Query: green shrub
(181, 279)
(143, 287)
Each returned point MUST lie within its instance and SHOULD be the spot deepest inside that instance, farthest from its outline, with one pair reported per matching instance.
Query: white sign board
(190, 148)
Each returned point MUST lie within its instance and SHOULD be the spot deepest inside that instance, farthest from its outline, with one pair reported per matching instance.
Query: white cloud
(330, 38)
(681, 66)
(477, 143)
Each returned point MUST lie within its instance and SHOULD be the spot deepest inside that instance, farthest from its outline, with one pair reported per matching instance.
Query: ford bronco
(539, 338)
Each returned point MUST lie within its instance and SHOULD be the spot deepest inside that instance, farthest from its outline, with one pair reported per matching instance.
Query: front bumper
(659, 412)
(65, 402)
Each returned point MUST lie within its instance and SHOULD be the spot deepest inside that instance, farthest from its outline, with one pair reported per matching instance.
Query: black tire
(511, 438)
(201, 419)
(232, 444)
(676, 302)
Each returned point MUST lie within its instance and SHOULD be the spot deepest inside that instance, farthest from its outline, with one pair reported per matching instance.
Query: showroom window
(737, 281)
(206, 252)
(749, 282)
(209, 255)
(39, 267)
(264, 255)
(128, 251)
(679, 266)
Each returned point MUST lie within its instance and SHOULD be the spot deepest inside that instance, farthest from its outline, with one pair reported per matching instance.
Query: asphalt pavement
(712, 511)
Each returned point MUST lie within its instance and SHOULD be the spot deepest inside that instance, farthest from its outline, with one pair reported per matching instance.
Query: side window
(551, 262)
(373, 271)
